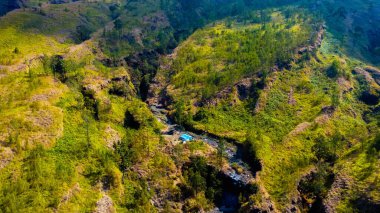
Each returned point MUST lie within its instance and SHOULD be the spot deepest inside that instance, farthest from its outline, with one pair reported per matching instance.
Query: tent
(186, 138)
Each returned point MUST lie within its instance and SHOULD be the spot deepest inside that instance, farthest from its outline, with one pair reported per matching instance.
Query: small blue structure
(186, 138)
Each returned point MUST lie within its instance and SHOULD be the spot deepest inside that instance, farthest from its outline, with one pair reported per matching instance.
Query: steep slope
(76, 135)
(65, 144)
(292, 119)
(353, 24)
(222, 55)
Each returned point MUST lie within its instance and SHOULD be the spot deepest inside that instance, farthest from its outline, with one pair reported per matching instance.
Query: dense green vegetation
(230, 51)
(77, 136)
(63, 144)
(304, 122)
(351, 23)
(62, 131)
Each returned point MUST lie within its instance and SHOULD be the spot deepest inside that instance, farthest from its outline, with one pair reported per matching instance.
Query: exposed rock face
(375, 73)
(345, 85)
(300, 128)
(371, 95)
(105, 205)
(75, 189)
(111, 137)
(61, 1)
(291, 99)
(6, 155)
(367, 74)
(241, 90)
(95, 84)
(24, 66)
(328, 110)
(262, 101)
(336, 193)
(317, 43)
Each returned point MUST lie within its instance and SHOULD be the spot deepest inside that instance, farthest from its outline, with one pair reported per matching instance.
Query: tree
(16, 51)
(200, 115)
(196, 174)
(90, 102)
(335, 96)
(83, 33)
(130, 121)
(325, 149)
(251, 144)
(181, 116)
(144, 87)
(334, 70)
(376, 142)
(118, 24)
(87, 125)
(58, 67)
(221, 152)
(125, 153)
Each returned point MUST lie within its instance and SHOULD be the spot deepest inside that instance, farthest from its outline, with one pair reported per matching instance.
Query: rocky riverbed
(233, 153)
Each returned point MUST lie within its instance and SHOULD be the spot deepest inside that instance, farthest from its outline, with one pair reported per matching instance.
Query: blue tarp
(186, 137)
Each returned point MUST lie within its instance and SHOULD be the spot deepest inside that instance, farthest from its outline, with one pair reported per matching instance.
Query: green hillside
(281, 98)
(293, 119)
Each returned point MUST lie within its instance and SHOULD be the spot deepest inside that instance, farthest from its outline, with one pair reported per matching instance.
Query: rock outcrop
(336, 193)
(375, 73)
(6, 156)
(371, 95)
(105, 205)
(319, 35)
(239, 91)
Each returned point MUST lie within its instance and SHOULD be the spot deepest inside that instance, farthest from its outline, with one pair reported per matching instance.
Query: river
(236, 182)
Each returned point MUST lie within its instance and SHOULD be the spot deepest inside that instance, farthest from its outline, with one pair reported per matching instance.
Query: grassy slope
(36, 108)
(46, 31)
(286, 150)
(218, 56)
(284, 135)
(67, 172)
(352, 23)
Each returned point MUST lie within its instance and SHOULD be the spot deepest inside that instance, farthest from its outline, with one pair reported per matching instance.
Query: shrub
(16, 51)
(334, 70)
(90, 102)
(119, 88)
(57, 65)
(376, 142)
(130, 121)
(83, 33)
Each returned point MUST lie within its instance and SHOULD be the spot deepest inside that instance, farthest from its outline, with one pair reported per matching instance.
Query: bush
(83, 33)
(376, 142)
(57, 65)
(181, 114)
(90, 102)
(130, 121)
(119, 88)
(325, 149)
(16, 51)
(334, 70)
(250, 151)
